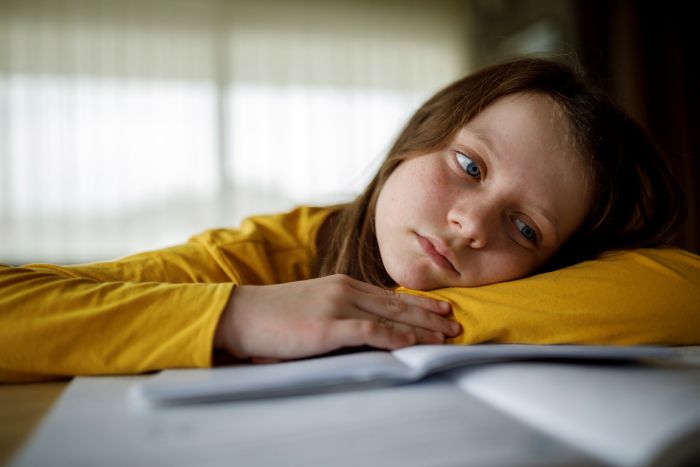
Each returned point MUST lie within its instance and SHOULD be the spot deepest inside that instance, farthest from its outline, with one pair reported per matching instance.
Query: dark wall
(644, 53)
(641, 51)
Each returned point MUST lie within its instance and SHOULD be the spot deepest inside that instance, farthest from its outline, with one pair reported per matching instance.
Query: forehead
(537, 117)
(534, 119)
(522, 125)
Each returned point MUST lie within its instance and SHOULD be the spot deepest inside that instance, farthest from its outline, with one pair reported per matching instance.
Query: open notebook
(512, 407)
(361, 369)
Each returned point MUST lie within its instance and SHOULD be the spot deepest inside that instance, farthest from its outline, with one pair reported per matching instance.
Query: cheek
(514, 265)
(405, 195)
(432, 192)
(497, 266)
(415, 197)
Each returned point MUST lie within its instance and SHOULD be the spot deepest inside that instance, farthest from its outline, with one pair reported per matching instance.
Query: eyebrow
(486, 141)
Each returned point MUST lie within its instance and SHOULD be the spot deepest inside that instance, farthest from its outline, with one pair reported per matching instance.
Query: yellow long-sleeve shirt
(160, 309)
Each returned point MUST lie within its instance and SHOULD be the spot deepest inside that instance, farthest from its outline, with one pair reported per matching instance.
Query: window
(128, 125)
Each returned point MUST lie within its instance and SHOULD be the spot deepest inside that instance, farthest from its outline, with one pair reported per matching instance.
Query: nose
(473, 222)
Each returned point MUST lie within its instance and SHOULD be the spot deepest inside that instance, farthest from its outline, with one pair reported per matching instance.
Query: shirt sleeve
(148, 311)
(640, 297)
(145, 312)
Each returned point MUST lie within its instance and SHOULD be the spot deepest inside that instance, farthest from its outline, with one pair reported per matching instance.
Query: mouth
(436, 252)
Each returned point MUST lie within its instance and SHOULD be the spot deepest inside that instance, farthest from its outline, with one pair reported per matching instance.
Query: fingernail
(445, 305)
(455, 327)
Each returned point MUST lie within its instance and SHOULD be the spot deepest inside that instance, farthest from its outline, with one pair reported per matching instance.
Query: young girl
(515, 170)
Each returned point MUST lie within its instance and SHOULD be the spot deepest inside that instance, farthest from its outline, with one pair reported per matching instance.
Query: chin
(416, 280)
(417, 285)
(422, 280)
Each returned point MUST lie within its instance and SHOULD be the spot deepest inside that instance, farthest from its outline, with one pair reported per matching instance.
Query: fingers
(418, 311)
(407, 309)
(305, 318)
(420, 335)
(380, 333)
(437, 306)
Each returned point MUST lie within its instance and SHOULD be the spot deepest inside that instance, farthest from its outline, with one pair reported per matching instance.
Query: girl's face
(492, 206)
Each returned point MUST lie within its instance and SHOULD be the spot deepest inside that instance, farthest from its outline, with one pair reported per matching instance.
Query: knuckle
(335, 298)
(338, 290)
(372, 328)
(395, 304)
(385, 323)
(341, 278)
(368, 327)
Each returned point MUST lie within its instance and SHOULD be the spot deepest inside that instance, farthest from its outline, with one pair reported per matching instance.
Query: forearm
(634, 298)
(57, 326)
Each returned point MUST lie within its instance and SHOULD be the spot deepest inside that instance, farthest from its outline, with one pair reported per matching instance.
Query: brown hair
(635, 203)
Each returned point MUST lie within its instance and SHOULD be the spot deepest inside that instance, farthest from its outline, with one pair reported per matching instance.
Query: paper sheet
(348, 371)
(624, 415)
(432, 423)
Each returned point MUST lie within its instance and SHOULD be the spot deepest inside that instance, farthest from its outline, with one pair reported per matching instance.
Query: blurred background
(128, 125)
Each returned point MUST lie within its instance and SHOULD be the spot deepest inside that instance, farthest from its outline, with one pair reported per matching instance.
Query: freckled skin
(531, 176)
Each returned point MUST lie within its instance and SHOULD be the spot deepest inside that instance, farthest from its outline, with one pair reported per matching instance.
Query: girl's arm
(646, 296)
(305, 318)
(162, 309)
(56, 322)
(138, 314)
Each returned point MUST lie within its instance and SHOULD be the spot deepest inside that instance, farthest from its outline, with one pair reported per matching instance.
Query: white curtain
(127, 125)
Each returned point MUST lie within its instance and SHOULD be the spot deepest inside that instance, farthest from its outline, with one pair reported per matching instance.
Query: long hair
(636, 202)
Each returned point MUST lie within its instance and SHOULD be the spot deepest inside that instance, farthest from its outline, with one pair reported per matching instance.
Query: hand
(316, 316)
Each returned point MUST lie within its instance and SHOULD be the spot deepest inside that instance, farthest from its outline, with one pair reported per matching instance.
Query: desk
(508, 414)
(22, 407)
(432, 423)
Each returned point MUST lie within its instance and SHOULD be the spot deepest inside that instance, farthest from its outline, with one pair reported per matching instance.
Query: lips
(437, 252)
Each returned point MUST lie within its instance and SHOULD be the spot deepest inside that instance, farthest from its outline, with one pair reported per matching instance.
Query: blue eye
(526, 231)
(469, 166)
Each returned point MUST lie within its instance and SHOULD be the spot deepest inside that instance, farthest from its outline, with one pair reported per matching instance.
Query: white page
(625, 415)
(294, 377)
(430, 424)
(363, 369)
(427, 358)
